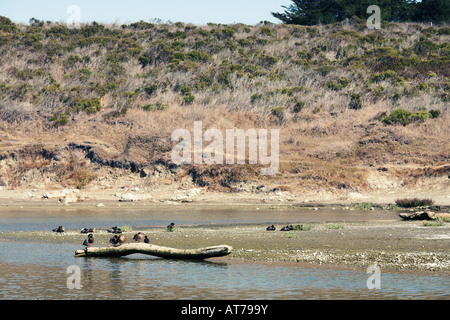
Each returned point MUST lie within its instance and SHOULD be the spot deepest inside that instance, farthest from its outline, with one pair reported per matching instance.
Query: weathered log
(424, 215)
(157, 251)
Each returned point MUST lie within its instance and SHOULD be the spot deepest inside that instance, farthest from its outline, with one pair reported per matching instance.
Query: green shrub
(89, 106)
(158, 106)
(414, 202)
(338, 84)
(355, 101)
(401, 116)
(279, 112)
(60, 120)
(188, 99)
(435, 113)
(302, 227)
(299, 105)
(150, 90)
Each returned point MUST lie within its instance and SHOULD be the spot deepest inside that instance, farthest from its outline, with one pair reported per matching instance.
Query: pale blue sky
(189, 11)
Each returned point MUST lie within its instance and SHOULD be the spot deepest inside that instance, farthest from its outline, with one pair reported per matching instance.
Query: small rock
(100, 205)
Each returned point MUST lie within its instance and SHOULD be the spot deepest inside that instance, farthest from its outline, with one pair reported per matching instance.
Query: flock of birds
(116, 240)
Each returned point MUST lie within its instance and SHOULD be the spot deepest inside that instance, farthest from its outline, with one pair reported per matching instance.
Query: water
(30, 270)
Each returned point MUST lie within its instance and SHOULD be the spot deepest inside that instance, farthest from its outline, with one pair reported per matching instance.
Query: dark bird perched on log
(59, 229)
(121, 239)
(89, 241)
(117, 240)
(114, 240)
(271, 228)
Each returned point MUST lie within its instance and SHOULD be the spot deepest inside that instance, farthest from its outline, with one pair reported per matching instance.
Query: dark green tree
(433, 11)
(310, 12)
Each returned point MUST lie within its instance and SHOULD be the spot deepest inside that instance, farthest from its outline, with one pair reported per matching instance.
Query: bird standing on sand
(89, 241)
(59, 229)
(170, 226)
(146, 240)
(271, 228)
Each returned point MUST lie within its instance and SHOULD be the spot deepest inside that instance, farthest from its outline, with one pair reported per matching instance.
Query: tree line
(311, 12)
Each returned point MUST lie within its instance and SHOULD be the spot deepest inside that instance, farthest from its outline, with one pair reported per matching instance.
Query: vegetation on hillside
(344, 96)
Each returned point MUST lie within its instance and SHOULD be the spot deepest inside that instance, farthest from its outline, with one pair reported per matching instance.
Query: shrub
(302, 227)
(188, 98)
(59, 120)
(154, 107)
(334, 226)
(401, 116)
(89, 106)
(435, 113)
(434, 223)
(355, 101)
(279, 112)
(414, 202)
(256, 97)
(299, 106)
(338, 84)
(151, 89)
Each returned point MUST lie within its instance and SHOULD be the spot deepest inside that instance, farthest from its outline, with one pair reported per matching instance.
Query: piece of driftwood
(155, 250)
(424, 215)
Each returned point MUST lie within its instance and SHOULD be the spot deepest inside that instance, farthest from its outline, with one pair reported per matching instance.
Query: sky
(198, 12)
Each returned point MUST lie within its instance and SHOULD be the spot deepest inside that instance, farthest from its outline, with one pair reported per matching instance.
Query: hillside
(93, 108)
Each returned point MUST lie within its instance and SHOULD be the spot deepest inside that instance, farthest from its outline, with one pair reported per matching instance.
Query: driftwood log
(157, 251)
(424, 215)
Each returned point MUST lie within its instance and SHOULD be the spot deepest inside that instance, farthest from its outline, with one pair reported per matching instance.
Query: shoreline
(384, 239)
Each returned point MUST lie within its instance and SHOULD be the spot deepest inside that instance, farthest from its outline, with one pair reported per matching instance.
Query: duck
(89, 241)
(170, 226)
(138, 237)
(59, 229)
(117, 240)
(121, 239)
(271, 228)
(287, 228)
(146, 239)
(114, 240)
(86, 230)
(114, 230)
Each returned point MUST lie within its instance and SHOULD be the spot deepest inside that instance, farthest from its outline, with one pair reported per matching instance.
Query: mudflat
(391, 244)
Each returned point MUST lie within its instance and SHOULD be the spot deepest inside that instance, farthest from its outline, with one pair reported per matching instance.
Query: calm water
(38, 270)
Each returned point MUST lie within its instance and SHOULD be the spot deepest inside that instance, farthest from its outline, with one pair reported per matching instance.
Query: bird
(89, 241)
(59, 229)
(146, 240)
(114, 240)
(114, 230)
(138, 237)
(121, 239)
(271, 228)
(287, 228)
(170, 226)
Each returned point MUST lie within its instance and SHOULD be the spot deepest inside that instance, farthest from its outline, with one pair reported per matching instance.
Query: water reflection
(42, 275)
